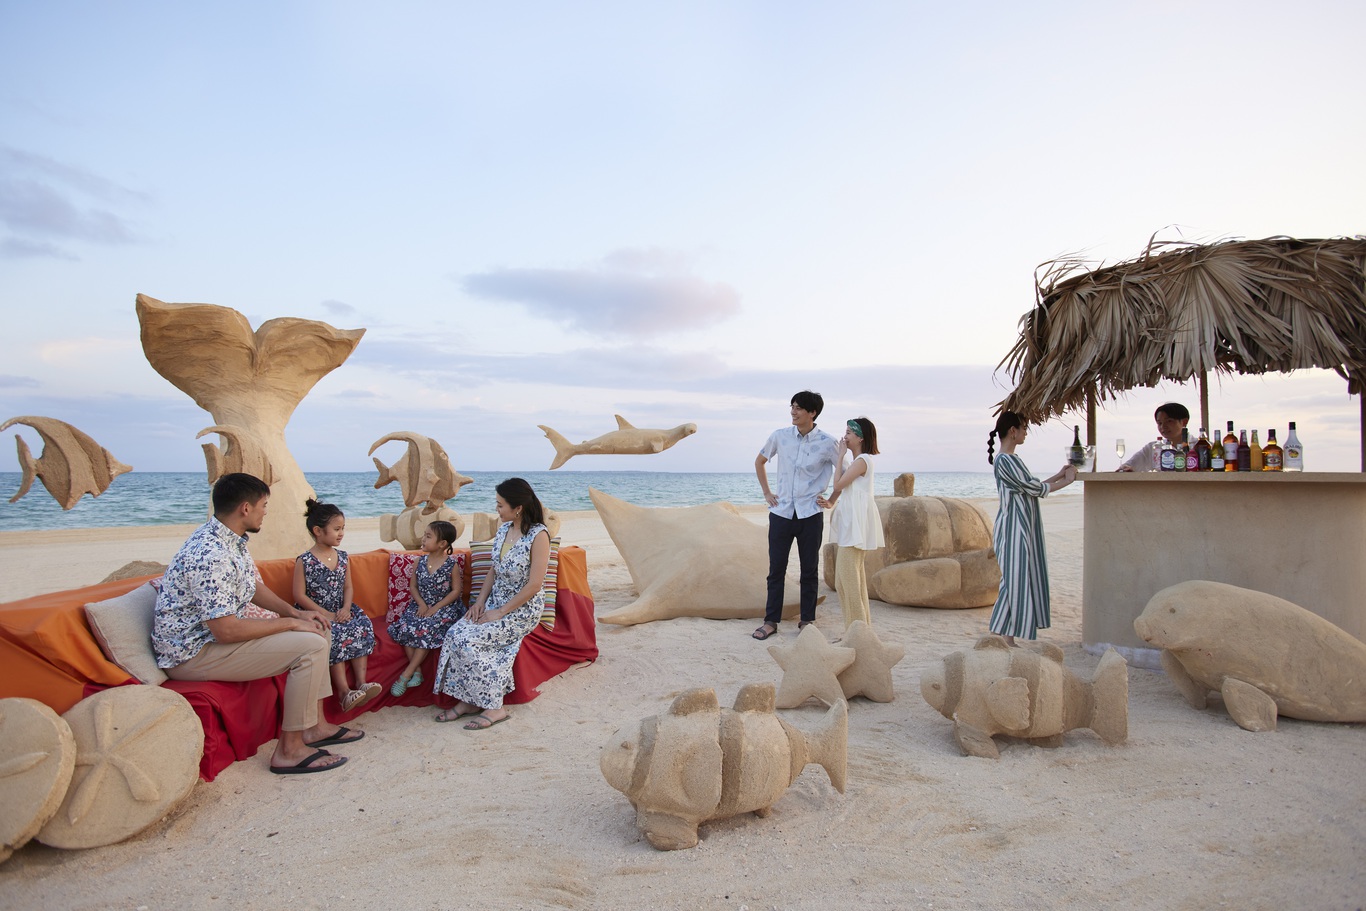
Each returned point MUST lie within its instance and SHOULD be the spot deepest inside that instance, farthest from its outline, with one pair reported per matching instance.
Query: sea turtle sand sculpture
(698, 762)
(994, 689)
(427, 479)
(627, 439)
(938, 554)
(37, 757)
(250, 381)
(1266, 656)
(72, 464)
(690, 561)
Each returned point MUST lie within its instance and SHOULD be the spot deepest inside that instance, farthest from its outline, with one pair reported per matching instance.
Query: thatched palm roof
(1181, 310)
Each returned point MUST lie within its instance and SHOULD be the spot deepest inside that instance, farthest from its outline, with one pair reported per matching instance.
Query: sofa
(57, 648)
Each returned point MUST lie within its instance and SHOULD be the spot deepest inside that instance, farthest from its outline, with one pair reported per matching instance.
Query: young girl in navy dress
(322, 580)
(435, 587)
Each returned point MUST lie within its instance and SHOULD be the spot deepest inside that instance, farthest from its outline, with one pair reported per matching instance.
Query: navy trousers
(781, 533)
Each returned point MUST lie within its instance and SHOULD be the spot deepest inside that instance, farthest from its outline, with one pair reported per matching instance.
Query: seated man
(1171, 419)
(198, 633)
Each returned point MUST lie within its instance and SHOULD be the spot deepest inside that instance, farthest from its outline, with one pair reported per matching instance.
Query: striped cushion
(481, 558)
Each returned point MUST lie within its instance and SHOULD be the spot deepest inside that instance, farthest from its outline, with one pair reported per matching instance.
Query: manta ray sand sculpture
(625, 440)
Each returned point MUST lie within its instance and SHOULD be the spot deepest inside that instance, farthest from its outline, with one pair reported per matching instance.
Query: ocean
(181, 498)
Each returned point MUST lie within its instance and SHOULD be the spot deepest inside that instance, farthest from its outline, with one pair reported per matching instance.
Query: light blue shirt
(805, 466)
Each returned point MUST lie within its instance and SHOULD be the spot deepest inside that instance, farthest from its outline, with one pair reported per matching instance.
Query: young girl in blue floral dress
(322, 580)
(435, 587)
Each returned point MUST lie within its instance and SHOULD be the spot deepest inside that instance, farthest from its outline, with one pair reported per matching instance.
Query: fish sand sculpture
(698, 762)
(995, 689)
(1266, 656)
(244, 452)
(427, 479)
(625, 440)
(72, 464)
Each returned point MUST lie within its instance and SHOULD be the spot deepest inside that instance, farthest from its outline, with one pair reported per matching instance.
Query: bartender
(1171, 419)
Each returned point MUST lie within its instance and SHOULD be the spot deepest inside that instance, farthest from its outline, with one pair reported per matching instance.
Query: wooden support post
(1091, 422)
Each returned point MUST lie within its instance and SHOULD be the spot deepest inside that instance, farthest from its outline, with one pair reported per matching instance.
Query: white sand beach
(1192, 812)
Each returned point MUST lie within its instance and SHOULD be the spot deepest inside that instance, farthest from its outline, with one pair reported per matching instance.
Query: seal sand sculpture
(698, 762)
(1264, 655)
(72, 463)
(625, 440)
(996, 689)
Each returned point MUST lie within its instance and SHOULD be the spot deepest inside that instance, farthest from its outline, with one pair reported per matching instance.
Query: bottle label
(1271, 460)
(1216, 463)
(1168, 460)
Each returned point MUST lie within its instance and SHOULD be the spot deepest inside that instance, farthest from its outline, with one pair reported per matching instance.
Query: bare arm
(540, 561)
(234, 629)
(762, 473)
(348, 596)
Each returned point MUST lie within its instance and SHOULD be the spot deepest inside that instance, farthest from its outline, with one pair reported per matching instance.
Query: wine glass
(1119, 449)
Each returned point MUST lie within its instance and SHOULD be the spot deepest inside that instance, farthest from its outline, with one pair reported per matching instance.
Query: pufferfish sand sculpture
(996, 689)
(72, 463)
(698, 762)
(427, 479)
(627, 439)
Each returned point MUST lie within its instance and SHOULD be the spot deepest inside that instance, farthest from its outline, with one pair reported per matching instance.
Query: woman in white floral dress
(477, 655)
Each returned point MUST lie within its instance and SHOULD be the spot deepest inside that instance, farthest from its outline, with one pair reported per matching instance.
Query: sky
(677, 211)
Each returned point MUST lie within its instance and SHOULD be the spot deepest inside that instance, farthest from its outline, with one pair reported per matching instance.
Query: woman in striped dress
(1022, 602)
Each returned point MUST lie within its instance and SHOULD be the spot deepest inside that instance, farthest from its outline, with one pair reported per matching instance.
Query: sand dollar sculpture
(811, 668)
(870, 676)
(698, 762)
(1266, 656)
(994, 689)
(137, 757)
(690, 561)
(938, 554)
(72, 463)
(427, 480)
(37, 757)
(625, 440)
(252, 382)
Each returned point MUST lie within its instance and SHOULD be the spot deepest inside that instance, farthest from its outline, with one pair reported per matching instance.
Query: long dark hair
(1007, 422)
(517, 492)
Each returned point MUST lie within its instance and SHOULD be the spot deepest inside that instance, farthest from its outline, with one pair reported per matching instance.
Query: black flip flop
(338, 738)
(303, 767)
(761, 635)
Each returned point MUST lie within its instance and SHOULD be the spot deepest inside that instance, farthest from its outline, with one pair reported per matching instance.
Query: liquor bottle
(1272, 456)
(1255, 457)
(1077, 454)
(1230, 450)
(1167, 456)
(1202, 452)
(1244, 454)
(1216, 453)
(1294, 452)
(1158, 446)
(1192, 454)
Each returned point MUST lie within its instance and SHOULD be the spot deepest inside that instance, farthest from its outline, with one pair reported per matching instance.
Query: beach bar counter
(1300, 536)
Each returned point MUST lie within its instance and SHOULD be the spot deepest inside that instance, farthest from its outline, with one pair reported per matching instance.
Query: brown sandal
(763, 632)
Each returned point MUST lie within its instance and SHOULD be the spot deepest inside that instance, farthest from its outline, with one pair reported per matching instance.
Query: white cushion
(123, 628)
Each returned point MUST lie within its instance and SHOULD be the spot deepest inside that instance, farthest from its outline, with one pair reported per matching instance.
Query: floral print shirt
(211, 576)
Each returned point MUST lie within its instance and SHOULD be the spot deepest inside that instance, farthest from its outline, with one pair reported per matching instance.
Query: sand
(1191, 812)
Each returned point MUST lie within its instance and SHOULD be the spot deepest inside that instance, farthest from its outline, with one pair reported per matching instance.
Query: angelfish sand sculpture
(698, 762)
(1266, 656)
(244, 453)
(252, 382)
(938, 554)
(427, 479)
(625, 440)
(690, 561)
(994, 689)
(72, 463)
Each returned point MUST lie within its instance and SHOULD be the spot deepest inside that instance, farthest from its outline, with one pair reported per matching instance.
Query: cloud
(339, 308)
(15, 248)
(18, 382)
(42, 199)
(635, 293)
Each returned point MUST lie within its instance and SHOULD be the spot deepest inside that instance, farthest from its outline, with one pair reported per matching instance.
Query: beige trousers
(851, 584)
(304, 655)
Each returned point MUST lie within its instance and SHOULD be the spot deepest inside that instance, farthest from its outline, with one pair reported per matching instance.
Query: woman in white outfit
(855, 525)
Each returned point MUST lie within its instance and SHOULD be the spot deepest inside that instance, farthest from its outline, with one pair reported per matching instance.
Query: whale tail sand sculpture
(72, 463)
(1264, 655)
(250, 380)
(625, 440)
(698, 762)
(995, 689)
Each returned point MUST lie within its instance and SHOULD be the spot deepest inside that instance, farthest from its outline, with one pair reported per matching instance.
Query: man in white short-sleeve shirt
(1171, 419)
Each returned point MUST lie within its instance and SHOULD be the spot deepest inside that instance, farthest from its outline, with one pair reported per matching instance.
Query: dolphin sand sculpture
(625, 440)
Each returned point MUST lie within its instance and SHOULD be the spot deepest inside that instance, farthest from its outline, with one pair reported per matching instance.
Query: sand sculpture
(427, 479)
(938, 554)
(811, 668)
(72, 464)
(690, 561)
(1266, 656)
(995, 689)
(251, 382)
(483, 525)
(137, 757)
(870, 675)
(625, 440)
(245, 453)
(698, 762)
(37, 757)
